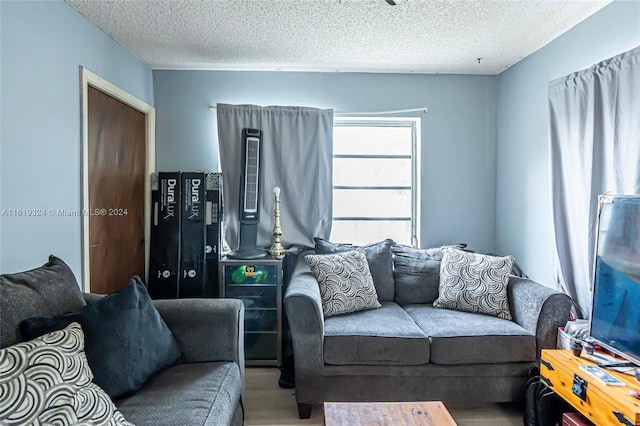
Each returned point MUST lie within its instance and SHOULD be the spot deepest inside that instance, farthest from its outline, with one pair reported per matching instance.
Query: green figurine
(261, 275)
(241, 274)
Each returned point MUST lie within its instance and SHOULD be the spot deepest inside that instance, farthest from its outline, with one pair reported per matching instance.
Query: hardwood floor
(269, 405)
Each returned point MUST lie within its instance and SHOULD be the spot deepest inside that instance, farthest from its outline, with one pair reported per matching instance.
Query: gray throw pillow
(51, 289)
(472, 282)
(378, 257)
(345, 282)
(127, 341)
(416, 273)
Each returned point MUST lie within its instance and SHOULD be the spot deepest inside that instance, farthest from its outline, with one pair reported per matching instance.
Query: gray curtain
(595, 148)
(297, 156)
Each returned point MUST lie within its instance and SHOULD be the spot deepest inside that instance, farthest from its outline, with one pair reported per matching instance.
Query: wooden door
(116, 187)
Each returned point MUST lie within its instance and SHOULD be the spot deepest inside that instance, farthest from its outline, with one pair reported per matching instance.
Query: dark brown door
(116, 169)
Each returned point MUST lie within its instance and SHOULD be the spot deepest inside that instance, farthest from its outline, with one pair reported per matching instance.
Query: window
(375, 177)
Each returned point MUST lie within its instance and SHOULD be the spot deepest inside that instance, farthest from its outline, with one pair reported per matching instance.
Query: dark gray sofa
(414, 352)
(205, 388)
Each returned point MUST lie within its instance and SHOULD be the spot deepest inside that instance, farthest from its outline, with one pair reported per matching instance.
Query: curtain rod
(423, 110)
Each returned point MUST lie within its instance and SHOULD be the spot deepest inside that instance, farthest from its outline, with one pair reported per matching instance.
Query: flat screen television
(615, 315)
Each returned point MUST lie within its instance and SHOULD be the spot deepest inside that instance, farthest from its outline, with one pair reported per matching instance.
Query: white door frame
(90, 79)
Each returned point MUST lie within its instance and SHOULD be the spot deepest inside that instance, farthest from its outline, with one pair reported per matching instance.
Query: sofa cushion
(126, 339)
(204, 393)
(51, 289)
(472, 282)
(416, 273)
(379, 259)
(345, 282)
(469, 338)
(48, 381)
(385, 336)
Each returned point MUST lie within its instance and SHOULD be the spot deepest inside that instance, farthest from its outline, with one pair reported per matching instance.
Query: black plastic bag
(543, 407)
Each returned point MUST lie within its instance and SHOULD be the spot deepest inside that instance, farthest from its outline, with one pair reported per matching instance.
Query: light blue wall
(43, 44)
(523, 207)
(458, 132)
(464, 199)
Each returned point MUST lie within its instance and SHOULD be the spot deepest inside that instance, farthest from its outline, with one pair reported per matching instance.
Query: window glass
(362, 232)
(368, 139)
(372, 203)
(374, 172)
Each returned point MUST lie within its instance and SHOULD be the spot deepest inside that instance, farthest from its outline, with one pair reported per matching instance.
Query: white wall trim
(89, 78)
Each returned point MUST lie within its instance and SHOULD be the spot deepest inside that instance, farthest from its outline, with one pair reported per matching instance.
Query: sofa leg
(304, 410)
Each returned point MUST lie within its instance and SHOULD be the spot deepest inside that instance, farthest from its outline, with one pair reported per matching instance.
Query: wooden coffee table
(427, 413)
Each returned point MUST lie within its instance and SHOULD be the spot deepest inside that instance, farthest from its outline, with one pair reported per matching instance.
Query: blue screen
(615, 318)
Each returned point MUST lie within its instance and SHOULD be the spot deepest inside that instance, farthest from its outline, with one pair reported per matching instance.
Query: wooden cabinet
(602, 404)
(258, 283)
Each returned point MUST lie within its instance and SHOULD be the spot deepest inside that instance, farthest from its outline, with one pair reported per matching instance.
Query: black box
(192, 243)
(213, 220)
(164, 250)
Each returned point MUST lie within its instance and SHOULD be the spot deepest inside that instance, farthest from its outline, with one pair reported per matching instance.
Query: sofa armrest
(538, 309)
(206, 329)
(304, 309)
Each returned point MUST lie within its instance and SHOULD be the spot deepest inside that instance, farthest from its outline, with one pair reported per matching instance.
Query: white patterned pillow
(473, 282)
(48, 381)
(345, 282)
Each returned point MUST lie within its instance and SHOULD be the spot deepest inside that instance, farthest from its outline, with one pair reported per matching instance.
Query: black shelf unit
(258, 283)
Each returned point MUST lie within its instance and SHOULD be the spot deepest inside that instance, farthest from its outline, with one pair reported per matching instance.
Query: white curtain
(595, 148)
(297, 156)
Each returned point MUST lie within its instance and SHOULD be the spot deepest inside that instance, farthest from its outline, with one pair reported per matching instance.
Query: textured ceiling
(421, 36)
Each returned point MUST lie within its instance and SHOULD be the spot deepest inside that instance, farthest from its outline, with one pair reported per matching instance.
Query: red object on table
(575, 419)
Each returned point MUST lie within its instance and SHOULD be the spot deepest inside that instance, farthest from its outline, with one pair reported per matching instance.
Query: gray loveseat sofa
(408, 351)
(206, 387)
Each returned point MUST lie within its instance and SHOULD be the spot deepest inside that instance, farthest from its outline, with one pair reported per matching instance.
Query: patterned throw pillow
(48, 381)
(474, 282)
(345, 282)
(378, 257)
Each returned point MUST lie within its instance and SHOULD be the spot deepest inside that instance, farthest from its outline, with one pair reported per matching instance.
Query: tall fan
(250, 189)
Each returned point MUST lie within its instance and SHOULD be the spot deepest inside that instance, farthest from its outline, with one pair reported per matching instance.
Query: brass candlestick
(277, 250)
